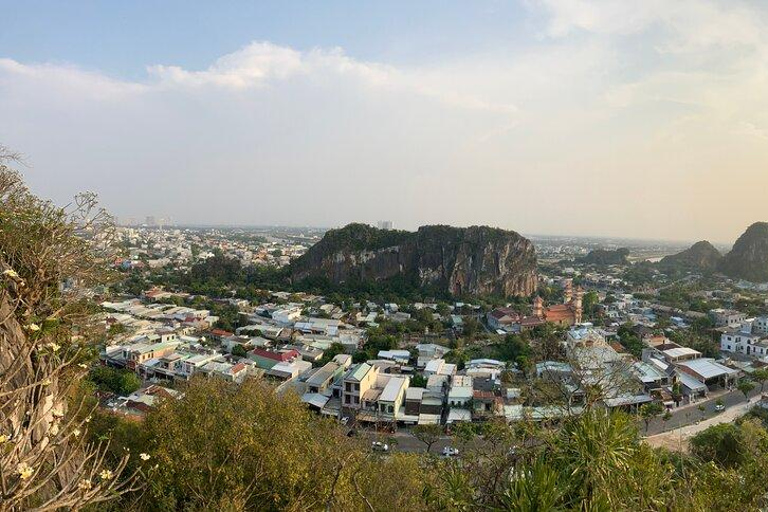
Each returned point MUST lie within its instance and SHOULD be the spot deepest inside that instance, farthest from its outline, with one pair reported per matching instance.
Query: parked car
(719, 407)
(449, 451)
(378, 446)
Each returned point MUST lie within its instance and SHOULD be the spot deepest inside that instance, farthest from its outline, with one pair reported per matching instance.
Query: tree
(239, 351)
(243, 447)
(746, 387)
(334, 350)
(428, 434)
(720, 443)
(418, 381)
(47, 254)
(761, 376)
(650, 411)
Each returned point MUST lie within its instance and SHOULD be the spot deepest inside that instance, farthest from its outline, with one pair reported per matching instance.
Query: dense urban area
(245, 368)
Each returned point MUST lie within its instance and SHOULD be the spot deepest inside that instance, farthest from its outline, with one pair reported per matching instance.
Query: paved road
(692, 414)
(678, 439)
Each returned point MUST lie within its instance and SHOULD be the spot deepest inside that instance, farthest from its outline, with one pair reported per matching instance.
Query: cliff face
(700, 256)
(749, 257)
(461, 261)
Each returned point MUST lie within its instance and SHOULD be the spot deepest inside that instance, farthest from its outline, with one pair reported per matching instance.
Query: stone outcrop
(701, 256)
(605, 257)
(477, 260)
(749, 257)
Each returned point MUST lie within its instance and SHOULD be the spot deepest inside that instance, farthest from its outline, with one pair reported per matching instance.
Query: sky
(563, 117)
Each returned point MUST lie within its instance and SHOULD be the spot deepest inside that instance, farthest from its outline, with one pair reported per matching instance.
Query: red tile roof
(276, 356)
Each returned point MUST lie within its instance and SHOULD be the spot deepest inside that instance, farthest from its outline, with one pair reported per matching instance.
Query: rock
(605, 257)
(701, 256)
(478, 260)
(749, 257)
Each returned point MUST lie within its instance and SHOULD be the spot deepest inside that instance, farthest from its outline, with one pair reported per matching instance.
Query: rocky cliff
(701, 256)
(478, 260)
(749, 257)
(605, 257)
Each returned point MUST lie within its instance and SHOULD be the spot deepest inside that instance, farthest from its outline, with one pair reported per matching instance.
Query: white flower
(82, 365)
(76, 432)
(10, 273)
(33, 327)
(106, 475)
(144, 456)
(53, 346)
(24, 471)
(88, 419)
(84, 484)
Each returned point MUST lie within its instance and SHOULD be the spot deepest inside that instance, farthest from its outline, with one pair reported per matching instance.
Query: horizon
(634, 120)
(177, 225)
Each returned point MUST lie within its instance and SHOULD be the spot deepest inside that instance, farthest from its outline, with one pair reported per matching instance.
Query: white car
(449, 451)
(378, 446)
(719, 407)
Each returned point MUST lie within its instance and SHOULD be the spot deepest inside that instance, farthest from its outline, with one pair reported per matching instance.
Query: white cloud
(654, 101)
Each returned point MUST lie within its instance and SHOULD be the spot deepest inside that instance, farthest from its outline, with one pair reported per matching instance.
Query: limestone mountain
(749, 257)
(477, 260)
(605, 257)
(701, 256)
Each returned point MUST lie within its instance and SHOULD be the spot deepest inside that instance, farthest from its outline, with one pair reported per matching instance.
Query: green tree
(761, 376)
(650, 411)
(746, 387)
(428, 434)
(239, 350)
(721, 444)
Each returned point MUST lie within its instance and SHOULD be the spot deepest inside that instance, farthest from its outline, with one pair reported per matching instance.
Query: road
(683, 420)
(678, 439)
(691, 414)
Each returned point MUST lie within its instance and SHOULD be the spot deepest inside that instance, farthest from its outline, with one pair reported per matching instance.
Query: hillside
(478, 260)
(605, 257)
(749, 257)
(701, 256)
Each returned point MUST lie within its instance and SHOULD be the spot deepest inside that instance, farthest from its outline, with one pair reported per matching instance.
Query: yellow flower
(144, 456)
(33, 327)
(3, 438)
(106, 475)
(76, 432)
(53, 346)
(84, 484)
(88, 419)
(10, 273)
(24, 471)
(82, 365)
(47, 382)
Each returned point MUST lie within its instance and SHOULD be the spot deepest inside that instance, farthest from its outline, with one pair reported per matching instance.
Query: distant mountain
(478, 260)
(749, 257)
(605, 257)
(701, 256)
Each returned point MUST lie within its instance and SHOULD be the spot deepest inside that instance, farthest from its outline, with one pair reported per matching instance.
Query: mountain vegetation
(605, 257)
(749, 257)
(700, 257)
(478, 260)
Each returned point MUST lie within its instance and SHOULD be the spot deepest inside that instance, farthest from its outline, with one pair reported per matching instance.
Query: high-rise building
(385, 224)
(151, 221)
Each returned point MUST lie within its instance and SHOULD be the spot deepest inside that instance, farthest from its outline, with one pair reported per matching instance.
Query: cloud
(625, 118)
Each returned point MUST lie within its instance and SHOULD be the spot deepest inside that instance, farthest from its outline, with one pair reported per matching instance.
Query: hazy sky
(608, 117)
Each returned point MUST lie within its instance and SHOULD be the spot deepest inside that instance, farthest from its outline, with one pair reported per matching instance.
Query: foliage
(47, 255)
(120, 382)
